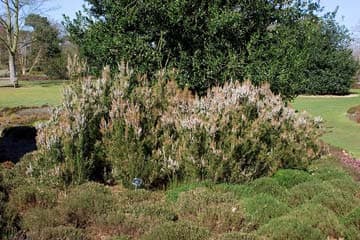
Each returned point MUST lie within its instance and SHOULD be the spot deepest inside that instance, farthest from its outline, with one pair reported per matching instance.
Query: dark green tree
(45, 55)
(206, 42)
(311, 56)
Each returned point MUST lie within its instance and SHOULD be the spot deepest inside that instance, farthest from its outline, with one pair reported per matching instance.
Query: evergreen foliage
(209, 43)
(160, 133)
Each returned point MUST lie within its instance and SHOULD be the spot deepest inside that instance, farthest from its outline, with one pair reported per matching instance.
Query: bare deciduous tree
(12, 13)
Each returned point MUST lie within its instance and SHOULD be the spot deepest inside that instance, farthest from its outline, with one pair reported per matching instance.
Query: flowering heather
(235, 133)
(159, 133)
(67, 142)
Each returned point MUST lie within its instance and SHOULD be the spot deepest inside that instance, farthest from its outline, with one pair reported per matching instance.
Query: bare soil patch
(17, 134)
(354, 113)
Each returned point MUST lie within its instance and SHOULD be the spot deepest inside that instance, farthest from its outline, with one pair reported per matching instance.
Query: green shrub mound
(347, 185)
(262, 208)
(3, 199)
(290, 177)
(178, 230)
(339, 202)
(36, 219)
(173, 192)
(239, 236)
(294, 45)
(194, 201)
(311, 209)
(60, 233)
(85, 203)
(353, 218)
(160, 133)
(219, 212)
(306, 191)
(31, 194)
(352, 223)
(330, 173)
(311, 220)
(290, 228)
(265, 185)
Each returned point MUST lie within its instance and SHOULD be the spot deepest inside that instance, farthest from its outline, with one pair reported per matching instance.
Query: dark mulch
(16, 142)
(17, 135)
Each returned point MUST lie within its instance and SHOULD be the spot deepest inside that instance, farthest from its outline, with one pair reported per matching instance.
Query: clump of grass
(177, 230)
(354, 113)
(261, 208)
(291, 177)
(355, 109)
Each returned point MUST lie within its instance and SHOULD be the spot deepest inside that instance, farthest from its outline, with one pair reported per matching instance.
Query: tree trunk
(12, 69)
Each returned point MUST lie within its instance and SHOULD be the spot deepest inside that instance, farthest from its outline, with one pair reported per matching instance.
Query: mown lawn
(31, 93)
(341, 132)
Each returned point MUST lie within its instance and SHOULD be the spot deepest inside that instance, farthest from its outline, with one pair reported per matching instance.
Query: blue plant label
(137, 182)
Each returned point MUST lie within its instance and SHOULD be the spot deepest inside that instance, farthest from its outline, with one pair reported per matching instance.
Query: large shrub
(284, 42)
(69, 144)
(160, 133)
(235, 133)
(311, 56)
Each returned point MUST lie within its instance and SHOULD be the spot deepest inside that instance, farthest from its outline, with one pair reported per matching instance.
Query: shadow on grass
(37, 83)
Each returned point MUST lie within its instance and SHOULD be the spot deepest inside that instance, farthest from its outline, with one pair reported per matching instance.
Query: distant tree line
(29, 43)
(287, 43)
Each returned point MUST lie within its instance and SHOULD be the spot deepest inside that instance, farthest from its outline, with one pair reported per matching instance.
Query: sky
(54, 10)
(348, 13)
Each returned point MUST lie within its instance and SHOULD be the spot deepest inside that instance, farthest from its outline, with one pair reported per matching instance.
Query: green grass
(341, 131)
(31, 94)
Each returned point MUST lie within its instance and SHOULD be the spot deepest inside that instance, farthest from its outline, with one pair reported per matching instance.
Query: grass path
(31, 94)
(341, 132)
